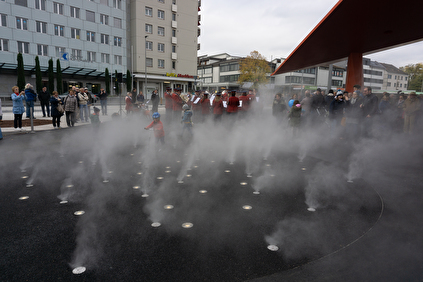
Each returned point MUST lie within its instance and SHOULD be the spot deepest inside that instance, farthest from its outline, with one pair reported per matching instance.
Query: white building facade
(164, 41)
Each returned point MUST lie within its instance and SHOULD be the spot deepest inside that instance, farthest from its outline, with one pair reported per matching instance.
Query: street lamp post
(145, 72)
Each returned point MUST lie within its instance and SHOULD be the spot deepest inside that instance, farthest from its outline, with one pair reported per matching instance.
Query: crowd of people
(76, 105)
(350, 114)
(345, 114)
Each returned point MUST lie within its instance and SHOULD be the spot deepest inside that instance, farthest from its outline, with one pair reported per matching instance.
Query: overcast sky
(274, 29)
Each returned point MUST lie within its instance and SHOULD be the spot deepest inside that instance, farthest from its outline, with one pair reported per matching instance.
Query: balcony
(174, 56)
(174, 24)
(174, 8)
(174, 40)
(198, 46)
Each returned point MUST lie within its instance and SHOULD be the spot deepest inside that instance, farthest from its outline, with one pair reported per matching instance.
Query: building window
(337, 83)
(4, 45)
(161, 64)
(21, 23)
(104, 2)
(161, 14)
(173, 48)
(229, 67)
(149, 45)
(161, 31)
(173, 16)
(400, 84)
(405, 86)
(75, 33)
(229, 78)
(76, 54)
(389, 76)
(173, 64)
(118, 41)
(173, 32)
(405, 78)
(90, 16)
(395, 85)
(104, 19)
(117, 4)
(148, 28)
(104, 39)
(117, 23)
(90, 56)
(59, 30)
(74, 12)
(40, 5)
(90, 36)
(149, 62)
(42, 50)
(118, 60)
(58, 8)
(21, 3)
(148, 11)
(388, 84)
(160, 47)
(23, 47)
(60, 51)
(41, 27)
(105, 58)
(174, 2)
(3, 21)
(161, 1)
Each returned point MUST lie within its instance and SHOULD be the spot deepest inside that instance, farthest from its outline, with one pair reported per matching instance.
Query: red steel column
(354, 71)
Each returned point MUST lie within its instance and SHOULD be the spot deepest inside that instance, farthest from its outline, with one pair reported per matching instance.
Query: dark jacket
(54, 102)
(279, 108)
(336, 109)
(318, 101)
(44, 96)
(103, 95)
(370, 105)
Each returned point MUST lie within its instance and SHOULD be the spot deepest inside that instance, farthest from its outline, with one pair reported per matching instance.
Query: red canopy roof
(358, 26)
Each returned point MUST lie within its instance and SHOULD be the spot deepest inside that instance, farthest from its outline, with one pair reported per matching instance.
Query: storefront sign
(179, 75)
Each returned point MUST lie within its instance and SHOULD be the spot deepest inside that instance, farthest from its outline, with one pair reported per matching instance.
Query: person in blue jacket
(18, 107)
(31, 97)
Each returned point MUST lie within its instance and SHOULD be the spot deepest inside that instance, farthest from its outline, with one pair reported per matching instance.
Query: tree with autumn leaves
(254, 68)
(415, 74)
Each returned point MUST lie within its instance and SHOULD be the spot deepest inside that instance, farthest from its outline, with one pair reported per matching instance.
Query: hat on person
(96, 110)
(339, 93)
(219, 93)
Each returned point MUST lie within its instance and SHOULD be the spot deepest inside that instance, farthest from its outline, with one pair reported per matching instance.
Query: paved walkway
(8, 115)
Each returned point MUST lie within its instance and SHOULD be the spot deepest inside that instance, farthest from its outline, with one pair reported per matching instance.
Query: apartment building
(164, 37)
(221, 71)
(88, 36)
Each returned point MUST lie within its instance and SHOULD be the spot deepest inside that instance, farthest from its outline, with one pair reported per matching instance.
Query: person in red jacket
(205, 106)
(168, 104)
(157, 126)
(225, 95)
(177, 104)
(233, 103)
(245, 103)
(218, 107)
(196, 106)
